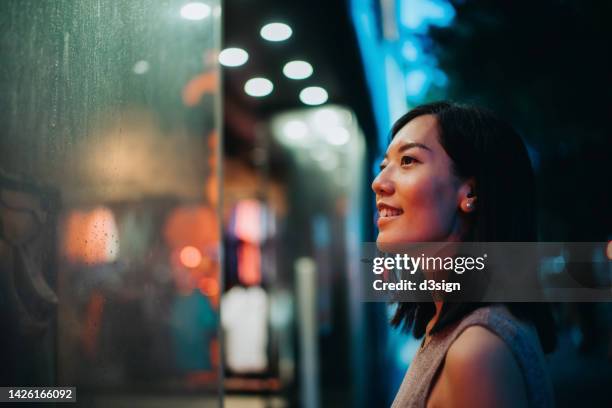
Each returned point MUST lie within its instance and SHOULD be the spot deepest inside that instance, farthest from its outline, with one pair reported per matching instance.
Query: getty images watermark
(487, 271)
(413, 264)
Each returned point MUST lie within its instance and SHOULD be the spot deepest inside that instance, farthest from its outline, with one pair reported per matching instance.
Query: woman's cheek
(417, 205)
(445, 206)
(420, 194)
(428, 208)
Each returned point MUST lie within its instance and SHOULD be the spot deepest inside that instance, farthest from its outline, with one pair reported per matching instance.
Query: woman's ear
(467, 195)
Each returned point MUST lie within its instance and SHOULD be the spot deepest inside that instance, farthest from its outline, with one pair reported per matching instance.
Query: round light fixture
(276, 32)
(313, 95)
(297, 70)
(233, 57)
(195, 11)
(258, 87)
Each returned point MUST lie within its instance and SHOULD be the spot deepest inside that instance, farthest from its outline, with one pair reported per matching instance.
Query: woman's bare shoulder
(481, 371)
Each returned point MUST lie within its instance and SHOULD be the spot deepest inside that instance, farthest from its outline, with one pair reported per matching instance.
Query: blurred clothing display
(193, 325)
(245, 321)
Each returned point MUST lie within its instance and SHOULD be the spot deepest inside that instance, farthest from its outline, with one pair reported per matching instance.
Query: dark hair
(487, 149)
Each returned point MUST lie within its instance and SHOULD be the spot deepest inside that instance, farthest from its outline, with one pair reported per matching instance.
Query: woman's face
(417, 195)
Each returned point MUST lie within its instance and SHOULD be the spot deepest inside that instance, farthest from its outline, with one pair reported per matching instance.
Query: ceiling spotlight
(195, 11)
(313, 95)
(297, 70)
(233, 57)
(276, 32)
(258, 87)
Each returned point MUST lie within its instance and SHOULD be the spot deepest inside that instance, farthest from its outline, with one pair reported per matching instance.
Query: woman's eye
(407, 160)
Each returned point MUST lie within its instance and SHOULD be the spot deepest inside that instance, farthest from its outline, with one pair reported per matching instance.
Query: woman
(455, 173)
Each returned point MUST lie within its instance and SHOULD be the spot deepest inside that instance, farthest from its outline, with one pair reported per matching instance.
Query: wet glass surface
(109, 236)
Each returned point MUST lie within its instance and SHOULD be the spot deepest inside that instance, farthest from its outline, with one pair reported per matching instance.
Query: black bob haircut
(487, 149)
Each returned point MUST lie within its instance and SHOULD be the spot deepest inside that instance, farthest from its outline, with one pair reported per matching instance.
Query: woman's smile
(387, 213)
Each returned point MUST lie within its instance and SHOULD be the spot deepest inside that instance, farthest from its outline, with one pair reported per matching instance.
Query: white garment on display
(244, 317)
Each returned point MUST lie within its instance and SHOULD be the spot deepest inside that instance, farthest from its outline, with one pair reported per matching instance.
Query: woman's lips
(387, 214)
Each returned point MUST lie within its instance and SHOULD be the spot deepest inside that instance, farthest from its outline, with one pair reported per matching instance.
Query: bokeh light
(190, 256)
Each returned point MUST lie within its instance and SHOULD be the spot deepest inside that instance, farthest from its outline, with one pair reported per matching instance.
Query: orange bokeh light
(190, 256)
(209, 287)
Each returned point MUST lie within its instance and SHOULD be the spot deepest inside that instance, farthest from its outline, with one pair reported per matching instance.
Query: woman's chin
(390, 244)
(388, 247)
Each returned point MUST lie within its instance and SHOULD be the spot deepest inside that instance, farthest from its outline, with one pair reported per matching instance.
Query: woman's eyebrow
(410, 145)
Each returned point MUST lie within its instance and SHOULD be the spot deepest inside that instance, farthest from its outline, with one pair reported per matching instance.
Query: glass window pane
(109, 234)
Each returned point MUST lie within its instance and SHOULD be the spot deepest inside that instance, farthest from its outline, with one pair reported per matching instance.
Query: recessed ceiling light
(258, 87)
(195, 11)
(233, 57)
(276, 32)
(313, 95)
(297, 70)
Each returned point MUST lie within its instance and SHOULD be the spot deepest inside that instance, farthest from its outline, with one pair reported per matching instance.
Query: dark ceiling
(323, 35)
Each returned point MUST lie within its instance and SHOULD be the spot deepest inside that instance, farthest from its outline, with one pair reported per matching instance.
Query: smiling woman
(445, 178)
(416, 188)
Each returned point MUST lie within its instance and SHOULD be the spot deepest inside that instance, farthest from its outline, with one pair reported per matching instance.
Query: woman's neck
(438, 304)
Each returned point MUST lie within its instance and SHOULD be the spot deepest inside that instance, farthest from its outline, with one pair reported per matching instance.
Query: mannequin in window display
(245, 306)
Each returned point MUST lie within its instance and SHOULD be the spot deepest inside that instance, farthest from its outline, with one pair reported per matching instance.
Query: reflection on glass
(109, 243)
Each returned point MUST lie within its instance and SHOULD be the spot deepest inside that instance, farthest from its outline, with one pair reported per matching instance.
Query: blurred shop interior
(310, 165)
(185, 187)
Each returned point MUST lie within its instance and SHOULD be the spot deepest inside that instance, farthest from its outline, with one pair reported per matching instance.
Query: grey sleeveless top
(520, 338)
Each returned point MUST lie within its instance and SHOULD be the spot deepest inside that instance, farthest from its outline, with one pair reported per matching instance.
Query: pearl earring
(469, 204)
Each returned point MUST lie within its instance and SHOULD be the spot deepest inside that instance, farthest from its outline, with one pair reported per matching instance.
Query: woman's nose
(382, 185)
